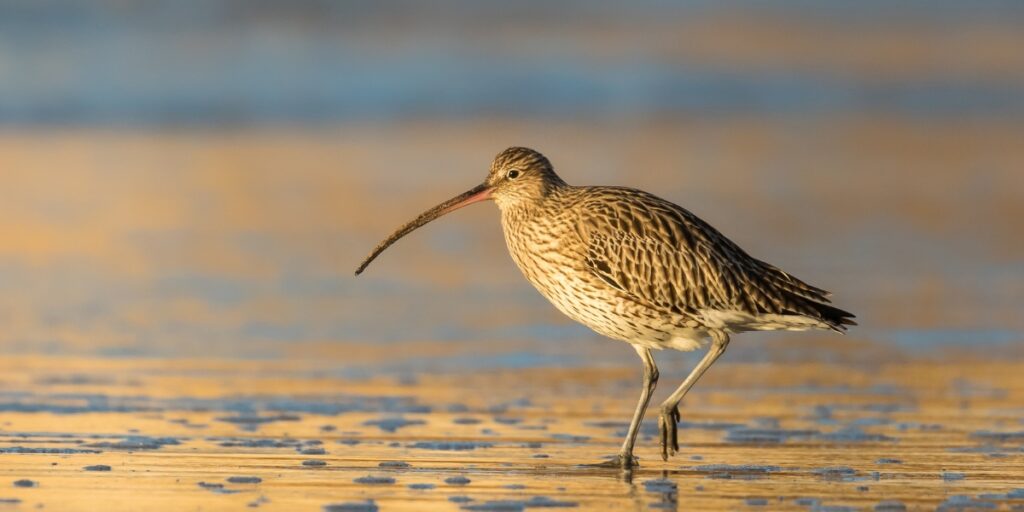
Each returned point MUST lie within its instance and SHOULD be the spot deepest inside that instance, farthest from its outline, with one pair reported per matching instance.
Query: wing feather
(663, 256)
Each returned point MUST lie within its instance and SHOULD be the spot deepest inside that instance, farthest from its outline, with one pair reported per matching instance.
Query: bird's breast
(550, 256)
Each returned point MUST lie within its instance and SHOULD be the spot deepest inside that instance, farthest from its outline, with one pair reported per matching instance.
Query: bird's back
(630, 251)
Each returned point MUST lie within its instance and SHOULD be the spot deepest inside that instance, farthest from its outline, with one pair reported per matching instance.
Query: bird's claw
(668, 427)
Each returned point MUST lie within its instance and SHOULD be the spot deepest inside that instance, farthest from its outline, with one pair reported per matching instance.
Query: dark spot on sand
(989, 449)
(251, 422)
(740, 471)
(9, 501)
(757, 502)
(999, 437)
(328, 428)
(244, 479)
(962, 502)
(421, 487)
(833, 508)
(545, 502)
(257, 502)
(25, 483)
(186, 423)
(366, 506)
(765, 435)
(313, 463)
(460, 499)
(886, 460)
(457, 480)
(515, 487)
(375, 480)
(313, 451)
(97, 467)
(835, 472)
(466, 421)
(52, 451)
(511, 505)
(890, 506)
(950, 476)
(392, 424)
(517, 505)
(131, 443)
(257, 443)
(457, 446)
(210, 485)
(349, 442)
(570, 438)
(506, 420)
(853, 435)
(393, 464)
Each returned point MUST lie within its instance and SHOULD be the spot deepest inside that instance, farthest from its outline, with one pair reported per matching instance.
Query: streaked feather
(659, 254)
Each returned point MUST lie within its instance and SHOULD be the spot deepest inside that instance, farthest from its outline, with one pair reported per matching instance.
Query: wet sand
(227, 434)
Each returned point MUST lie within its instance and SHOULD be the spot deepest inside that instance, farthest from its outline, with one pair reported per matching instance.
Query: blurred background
(201, 177)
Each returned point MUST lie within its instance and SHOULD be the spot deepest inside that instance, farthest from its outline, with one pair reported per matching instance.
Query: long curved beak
(476, 194)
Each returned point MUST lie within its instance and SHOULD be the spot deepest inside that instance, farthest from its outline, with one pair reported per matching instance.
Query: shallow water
(242, 243)
(163, 434)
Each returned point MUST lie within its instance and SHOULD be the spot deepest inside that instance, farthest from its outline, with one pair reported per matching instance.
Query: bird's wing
(663, 256)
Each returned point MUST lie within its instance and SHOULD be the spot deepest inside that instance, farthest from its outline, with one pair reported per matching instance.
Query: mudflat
(181, 329)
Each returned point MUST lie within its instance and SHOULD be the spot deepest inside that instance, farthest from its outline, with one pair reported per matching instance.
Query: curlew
(636, 268)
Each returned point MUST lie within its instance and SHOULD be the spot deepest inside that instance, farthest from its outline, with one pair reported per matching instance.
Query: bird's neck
(526, 209)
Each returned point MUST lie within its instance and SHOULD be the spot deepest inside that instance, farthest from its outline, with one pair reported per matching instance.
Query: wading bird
(637, 268)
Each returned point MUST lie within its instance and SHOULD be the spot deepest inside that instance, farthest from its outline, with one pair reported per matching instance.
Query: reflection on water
(795, 437)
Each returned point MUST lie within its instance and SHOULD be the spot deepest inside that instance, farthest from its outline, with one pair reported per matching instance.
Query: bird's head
(518, 179)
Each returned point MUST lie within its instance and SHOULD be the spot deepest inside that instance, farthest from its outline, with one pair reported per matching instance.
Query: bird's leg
(650, 382)
(668, 421)
(625, 457)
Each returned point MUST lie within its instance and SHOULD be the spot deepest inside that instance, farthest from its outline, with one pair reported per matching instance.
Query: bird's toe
(668, 428)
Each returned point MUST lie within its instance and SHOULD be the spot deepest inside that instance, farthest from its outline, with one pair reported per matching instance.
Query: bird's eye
(513, 174)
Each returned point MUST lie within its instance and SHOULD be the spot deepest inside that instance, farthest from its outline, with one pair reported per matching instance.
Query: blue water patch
(915, 339)
(120, 66)
(362, 506)
(393, 424)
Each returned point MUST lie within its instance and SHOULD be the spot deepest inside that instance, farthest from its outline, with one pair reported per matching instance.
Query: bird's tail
(837, 319)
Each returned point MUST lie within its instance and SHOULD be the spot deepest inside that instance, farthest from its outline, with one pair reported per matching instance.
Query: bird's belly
(585, 298)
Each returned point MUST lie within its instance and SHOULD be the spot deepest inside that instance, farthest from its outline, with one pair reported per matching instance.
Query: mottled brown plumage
(636, 268)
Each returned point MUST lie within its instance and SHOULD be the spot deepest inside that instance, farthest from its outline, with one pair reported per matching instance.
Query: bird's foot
(620, 461)
(668, 427)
